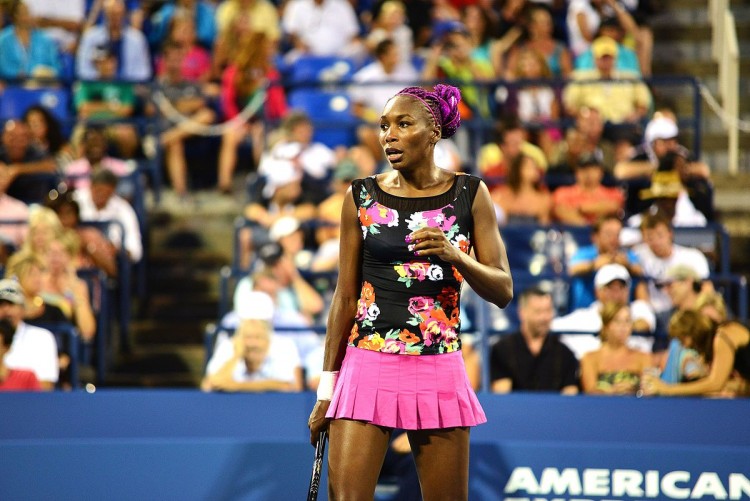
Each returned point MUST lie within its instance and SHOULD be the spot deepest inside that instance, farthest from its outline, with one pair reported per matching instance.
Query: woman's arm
(589, 374)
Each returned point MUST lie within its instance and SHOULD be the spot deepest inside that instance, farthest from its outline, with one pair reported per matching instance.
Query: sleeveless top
(409, 305)
(606, 380)
(741, 357)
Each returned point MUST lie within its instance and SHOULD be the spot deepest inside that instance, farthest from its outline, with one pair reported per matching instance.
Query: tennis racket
(320, 449)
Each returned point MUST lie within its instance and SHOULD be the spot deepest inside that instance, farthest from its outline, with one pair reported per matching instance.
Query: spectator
(451, 58)
(194, 60)
(626, 60)
(622, 100)
(60, 21)
(44, 227)
(568, 153)
(95, 250)
(245, 80)
(390, 24)
(725, 348)
(658, 253)
(187, 98)
(532, 360)
(33, 348)
(127, 46)
(524, 199)
(288, 233)
(391, 70)
(262, 16)
(27, 172)
(200, 11)
(94, 149)
(604, 249)
(26, 51)
(612, 285)
(320, 28)
(539, 37)
(13, 379)
(615, 368)
(101, 203)
(481, 27)
(584, 18)
(11, 209)
(254, 359)
(494, 159)
(46, 134)
(30, 271)
(587, 200)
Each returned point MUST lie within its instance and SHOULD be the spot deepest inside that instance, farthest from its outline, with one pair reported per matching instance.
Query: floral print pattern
(409, 306)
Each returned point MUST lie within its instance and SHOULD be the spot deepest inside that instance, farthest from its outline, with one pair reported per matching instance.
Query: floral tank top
(409, 305)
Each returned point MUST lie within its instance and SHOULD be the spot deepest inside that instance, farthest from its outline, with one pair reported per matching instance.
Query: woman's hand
(318, 420)
(652, 385)
(433, 242)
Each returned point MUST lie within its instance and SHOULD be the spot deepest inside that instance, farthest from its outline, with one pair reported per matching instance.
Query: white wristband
(326, 384)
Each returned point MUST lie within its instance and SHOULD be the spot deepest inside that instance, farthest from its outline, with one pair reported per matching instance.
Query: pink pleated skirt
(403, 391)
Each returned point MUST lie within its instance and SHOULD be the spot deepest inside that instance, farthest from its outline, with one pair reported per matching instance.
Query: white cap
(256, 305)
(282, 227)
(660, 128)
(610, 272)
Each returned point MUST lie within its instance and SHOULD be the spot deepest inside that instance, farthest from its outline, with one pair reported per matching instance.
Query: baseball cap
(282, 227)
(609, 273)
(442, 28)
(270, 253)
(665, 184)
(604, 46)
(11, 291)
(256, 305)
(680, 272)
(346, 170)
(660, 128)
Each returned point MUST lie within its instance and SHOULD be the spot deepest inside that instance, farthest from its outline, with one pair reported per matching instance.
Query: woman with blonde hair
(615, 368)
(44, 227)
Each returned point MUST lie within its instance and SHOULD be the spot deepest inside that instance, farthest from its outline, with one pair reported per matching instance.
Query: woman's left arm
(488, 274)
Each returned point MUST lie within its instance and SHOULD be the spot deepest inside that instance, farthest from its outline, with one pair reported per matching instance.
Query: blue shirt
(626, 60)
(582, 286)
(205, 25)
(17, 61)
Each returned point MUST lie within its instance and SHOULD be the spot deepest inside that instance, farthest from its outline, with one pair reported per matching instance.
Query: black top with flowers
(410, 305)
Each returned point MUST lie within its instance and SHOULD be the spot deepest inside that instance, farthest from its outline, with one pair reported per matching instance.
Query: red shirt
(574, 196)
(20, 380)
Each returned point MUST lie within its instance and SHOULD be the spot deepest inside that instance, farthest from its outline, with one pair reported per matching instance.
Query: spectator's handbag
(320, 449)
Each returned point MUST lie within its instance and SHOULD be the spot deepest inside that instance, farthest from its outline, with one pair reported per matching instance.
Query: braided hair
(442, 102)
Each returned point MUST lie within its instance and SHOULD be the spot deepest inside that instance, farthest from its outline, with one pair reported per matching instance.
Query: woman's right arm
(343, 305)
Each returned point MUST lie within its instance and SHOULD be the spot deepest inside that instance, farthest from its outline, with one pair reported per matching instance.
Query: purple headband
(442, 103)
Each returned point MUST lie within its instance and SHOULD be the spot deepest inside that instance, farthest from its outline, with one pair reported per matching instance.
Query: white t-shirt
(62, 10)
(375, 96)
(280, 364)
(578, 44)
(117, 209)
(656, 268)
(34, 349)
(326, 29)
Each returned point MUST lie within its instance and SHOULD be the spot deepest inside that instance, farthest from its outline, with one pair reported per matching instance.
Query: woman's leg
(442, 458)
(355, 457)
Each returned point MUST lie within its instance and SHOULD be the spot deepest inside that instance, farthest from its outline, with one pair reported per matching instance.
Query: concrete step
(159, 366)
(156, 331)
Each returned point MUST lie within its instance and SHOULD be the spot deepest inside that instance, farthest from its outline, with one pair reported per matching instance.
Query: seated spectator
(194, 63)
(94, 158)
(288, 233)
(604, 249)
(11, 209)
(392, 69)
(451, 58)
(539, 37)
(615, 368)
(726, 349)
(535, 103)
(26, 51)
(13, 379)
(622, 100)
(667, 195)
(30, 271)
(584, 18)
(612, 284)
(494, 159)
(626, 60)
(33, 348)
(657, 254)
(201, 12)
(187, 98)
(254, 359)
(587, 200)
(127, 46)
(523, 198)
(44, 227)
(531, 359)
(26, 172)
(60, 21)
(244, 80)
(47, 135)
(307, 35)
(262, 16)
(662, 152)
(95, 250)
(101, 203)
(390, 23)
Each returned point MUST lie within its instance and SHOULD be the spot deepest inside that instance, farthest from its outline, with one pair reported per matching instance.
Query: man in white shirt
(33, 348)
(101, 203)
(611, 284)
(320, 27)
(61, 20)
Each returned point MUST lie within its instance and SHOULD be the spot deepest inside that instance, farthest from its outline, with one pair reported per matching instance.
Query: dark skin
(408, 135)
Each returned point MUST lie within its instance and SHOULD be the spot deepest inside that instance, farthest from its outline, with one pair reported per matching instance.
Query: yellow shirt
(616, 100)
(262, 14)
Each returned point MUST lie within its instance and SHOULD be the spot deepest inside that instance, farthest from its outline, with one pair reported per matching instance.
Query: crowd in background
(570, 134)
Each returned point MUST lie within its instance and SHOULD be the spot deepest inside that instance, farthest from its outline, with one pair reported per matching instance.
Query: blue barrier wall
(190, 445)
